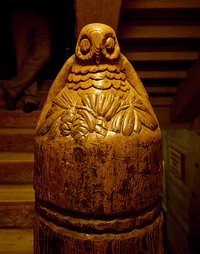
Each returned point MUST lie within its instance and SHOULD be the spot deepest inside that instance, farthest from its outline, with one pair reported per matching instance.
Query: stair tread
(17, 139)
(162, 74)
(161, 56)
(16, 157)
(17, 131)
(127, 31)
(146, 4)
(16, 241)
(17, 193)
(17, 118)
(16, 167)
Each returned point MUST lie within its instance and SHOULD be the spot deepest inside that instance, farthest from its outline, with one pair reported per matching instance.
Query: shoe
(10, 101)
(29, 107)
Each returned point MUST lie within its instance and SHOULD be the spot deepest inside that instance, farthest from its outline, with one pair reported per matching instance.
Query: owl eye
(110, 44)
(85, 46)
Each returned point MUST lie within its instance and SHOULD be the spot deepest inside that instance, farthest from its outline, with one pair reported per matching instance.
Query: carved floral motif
(97, 113)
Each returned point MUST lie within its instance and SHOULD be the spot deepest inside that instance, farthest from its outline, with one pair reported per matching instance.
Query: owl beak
(97, 57)
(97, 45)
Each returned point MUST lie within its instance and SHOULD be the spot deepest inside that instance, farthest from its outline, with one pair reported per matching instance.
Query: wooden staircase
(161, 40)
(16, 177)
(17, 132)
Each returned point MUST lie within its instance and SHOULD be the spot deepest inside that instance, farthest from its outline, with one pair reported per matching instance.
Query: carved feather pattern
(101, 77)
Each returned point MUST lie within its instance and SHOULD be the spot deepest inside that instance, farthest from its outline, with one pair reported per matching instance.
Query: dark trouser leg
(32, 40)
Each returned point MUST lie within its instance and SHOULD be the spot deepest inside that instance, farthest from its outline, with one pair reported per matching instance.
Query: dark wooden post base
(57, 239)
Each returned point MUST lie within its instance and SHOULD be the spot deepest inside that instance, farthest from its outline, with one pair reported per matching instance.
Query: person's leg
(42, 46)
(33, 47)
(22, 38)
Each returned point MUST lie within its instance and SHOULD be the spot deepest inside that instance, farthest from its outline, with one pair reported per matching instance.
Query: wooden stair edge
(18, 119)
(161, 55)
(16, 157)
(163, 4)
(16, 206)
(128, 31)
(16, 131)
(19, 165)
(16, 241)
(16, 193)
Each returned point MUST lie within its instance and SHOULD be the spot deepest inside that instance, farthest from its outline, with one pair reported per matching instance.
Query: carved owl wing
(58, 84)
(142, 106)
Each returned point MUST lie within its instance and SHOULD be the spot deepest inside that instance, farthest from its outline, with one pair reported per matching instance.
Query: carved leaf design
(80, 129)
(137, 124)
(98, 113)
(116, 122)
(89, 118)
(65, 99)
(101, 127)
(147, 119)
(131, 120)
(145, 116)
(66, 121)
(116, 105)
(104, 104)
(143, 113)
(53, 115)
(62, 105)
(128, 122)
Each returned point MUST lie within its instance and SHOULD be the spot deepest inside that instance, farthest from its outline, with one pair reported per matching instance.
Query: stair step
(16, 241)
(161, 90)
(161, 100)
(127, 31)
(17, 118)
(17, 139)
(16, 168)
(175, 74)
(162, 4)
(161, 56)
(16, 206)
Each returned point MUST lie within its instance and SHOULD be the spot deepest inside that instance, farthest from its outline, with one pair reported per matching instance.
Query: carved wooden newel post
(98, 165)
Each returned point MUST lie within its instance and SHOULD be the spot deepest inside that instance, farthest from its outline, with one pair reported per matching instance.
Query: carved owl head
(97, 43)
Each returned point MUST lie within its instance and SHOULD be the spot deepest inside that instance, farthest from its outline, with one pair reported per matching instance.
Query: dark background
(62, 24)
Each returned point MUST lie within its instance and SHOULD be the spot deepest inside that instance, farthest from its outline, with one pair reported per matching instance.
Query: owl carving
(97, 93)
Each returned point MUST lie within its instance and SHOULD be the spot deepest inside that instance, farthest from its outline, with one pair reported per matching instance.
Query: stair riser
(16, 214)
(17, 142)
(19, 104)
(18, 119)
(16, 172)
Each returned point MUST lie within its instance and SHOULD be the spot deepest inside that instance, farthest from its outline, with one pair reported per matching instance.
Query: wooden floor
(16, 241)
